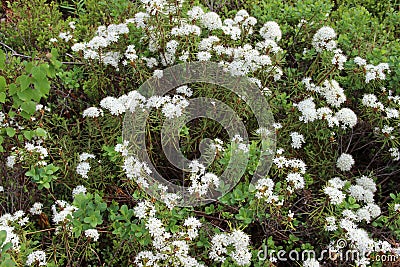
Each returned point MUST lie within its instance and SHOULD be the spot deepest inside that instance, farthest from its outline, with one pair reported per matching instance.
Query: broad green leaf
(41, 132)
(10, 131)
(29, 107)
(24, 81)
(2, 97)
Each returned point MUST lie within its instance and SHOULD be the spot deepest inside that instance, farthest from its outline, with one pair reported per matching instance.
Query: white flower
(361, 194)
(92, 233)
(346, 117)
(367, 182)
(66, 36)
(211, 21)
(360, 61)
(336, 196)
(184, 90)
(370, 100)
(337, 183)
(307, 109)
(130, 53)
(395, 153)
(239, 242)
(158, 74)
(345, 162)
(144, 209)
(92, 112)
(331, 224)
(122, 148)
(271, 31)
(311, 263)
(1, 188)
(82, 169)
(195, 13)
(36, 257)
(297, 140)
(376, 72)
(114, 105)
(333, 93)
(80, 189)
(36, 209)
(65, 210)
(203, 56)
(11, 161)
(295, 179)
(85, 156)
(323, 39)
(339, 59)
(396, 207)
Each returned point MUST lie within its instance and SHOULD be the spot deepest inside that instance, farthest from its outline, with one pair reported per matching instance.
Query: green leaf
(29, 107)
(7, 263)
(2, 59)
(41, 132)
(2, 84)
(24, 82)
(3, 234)
(12, 89)
(2, 97)
(10, 131)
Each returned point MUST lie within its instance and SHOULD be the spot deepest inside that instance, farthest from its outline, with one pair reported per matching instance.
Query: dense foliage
(72, 193)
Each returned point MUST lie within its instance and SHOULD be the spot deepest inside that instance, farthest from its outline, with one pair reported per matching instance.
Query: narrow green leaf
(2, 84)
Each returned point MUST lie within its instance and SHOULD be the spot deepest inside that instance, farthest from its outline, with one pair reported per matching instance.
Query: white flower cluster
(80, 189)
(36, 257)
(122, 148)
(93, 234)
(372, 72)
(265, 187)
(311, 263)
(331, 91)
(370, 100)
(234, 244)
(334, 191)
(134, 169)
(297, 168)
(42, 151)
(345, 162)
(331, 224)
(345, 117)
(36, 208)
(271, 31)
(324, 39)
(61, 210)
(92, 112)
(170, 199)
(201, 181)
(362, 191)
(11, 161)
(339, 59)
(395, 153)
(83, 166)
(297, 140)
(242, 24)
(168, 248)
(6, 224)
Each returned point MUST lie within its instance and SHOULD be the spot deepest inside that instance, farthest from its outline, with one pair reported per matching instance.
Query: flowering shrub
(74, 184)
